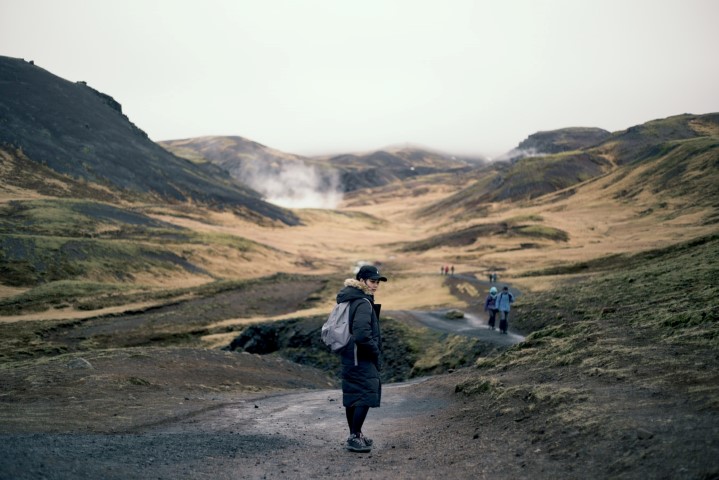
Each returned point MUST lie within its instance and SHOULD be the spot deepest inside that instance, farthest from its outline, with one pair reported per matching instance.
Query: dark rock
(454, 314)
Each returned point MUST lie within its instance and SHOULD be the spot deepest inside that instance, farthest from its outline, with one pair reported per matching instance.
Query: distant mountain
(81, 133)
(253, 163)
(379, 168)
(673, 146)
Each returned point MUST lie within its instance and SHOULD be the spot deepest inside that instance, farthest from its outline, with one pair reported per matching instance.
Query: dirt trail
(471, 325)
(312, 429)
(291, 435)
(295, 434)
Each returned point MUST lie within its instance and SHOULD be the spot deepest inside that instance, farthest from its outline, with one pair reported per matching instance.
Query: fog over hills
(291, 180)
(283, 179)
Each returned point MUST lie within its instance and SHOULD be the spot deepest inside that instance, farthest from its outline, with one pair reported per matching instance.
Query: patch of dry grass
(416, 292)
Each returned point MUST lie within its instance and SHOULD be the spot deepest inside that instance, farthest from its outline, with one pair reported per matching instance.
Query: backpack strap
(352, 317)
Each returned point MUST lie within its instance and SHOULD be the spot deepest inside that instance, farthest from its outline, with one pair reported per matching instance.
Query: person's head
(493, 290)
(505, 288)
(370, 276)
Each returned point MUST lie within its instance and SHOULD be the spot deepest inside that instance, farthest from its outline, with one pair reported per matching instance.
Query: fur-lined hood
(351, 282)
(353, 290)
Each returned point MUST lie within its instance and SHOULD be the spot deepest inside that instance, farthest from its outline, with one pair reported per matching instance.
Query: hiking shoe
(355, 443)
(368, 441)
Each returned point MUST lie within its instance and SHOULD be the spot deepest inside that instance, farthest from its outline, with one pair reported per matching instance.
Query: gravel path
(470, 326)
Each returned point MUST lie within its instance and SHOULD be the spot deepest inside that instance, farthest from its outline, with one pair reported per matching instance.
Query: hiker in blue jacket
(490, 307)
(502, 303)
(361, 362)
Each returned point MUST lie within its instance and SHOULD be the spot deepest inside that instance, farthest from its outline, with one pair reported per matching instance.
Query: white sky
(319, 76)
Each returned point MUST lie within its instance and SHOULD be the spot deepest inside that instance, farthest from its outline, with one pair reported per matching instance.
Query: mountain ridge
(531, 176)
(244, 158)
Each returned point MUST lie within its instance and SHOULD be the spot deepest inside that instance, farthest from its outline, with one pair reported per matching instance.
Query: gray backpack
(336, 330)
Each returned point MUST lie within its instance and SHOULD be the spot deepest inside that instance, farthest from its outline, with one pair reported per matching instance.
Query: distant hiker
(489, 306)
(502, 303)
(361, 362)
(452, 269)
(441, 270)
(446, 270)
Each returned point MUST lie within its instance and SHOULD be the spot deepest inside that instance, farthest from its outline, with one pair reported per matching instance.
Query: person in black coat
(361, 358)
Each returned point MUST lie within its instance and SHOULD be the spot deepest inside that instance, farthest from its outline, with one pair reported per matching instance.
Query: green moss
(58, 294)
(651, 318)
(542, 231)
(479, 386)
(519, 219)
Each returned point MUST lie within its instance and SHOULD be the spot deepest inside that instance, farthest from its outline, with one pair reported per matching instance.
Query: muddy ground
(115, 402)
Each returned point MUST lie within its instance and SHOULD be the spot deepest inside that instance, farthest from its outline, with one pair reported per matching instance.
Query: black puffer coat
(361, 385)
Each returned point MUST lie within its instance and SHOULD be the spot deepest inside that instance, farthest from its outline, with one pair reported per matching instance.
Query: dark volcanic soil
(180, 412)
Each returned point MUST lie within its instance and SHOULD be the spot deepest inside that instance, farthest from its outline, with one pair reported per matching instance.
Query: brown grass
(373, 225)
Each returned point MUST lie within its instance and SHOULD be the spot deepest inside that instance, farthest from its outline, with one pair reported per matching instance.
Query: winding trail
(474, 324)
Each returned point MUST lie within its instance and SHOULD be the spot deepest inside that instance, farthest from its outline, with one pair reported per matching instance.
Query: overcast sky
(319, 76)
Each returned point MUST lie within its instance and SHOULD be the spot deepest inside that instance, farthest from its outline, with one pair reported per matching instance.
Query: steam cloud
(295, 185)
(518, 154)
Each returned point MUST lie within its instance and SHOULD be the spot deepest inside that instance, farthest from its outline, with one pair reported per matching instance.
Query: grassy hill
(81, 133)
(677, 156)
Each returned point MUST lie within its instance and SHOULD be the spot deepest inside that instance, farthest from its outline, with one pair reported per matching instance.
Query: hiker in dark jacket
(361, 362)
(490, 307)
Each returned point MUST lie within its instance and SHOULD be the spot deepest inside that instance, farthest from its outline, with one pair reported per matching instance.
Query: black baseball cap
(370, 272)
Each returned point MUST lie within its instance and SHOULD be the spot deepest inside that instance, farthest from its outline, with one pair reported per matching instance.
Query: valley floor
(597, 396)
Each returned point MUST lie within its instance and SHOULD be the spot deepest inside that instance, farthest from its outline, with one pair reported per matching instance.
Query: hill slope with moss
(619, 377)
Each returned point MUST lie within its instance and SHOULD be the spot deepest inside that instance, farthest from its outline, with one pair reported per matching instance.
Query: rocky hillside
(557, 141)
(81, 133)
